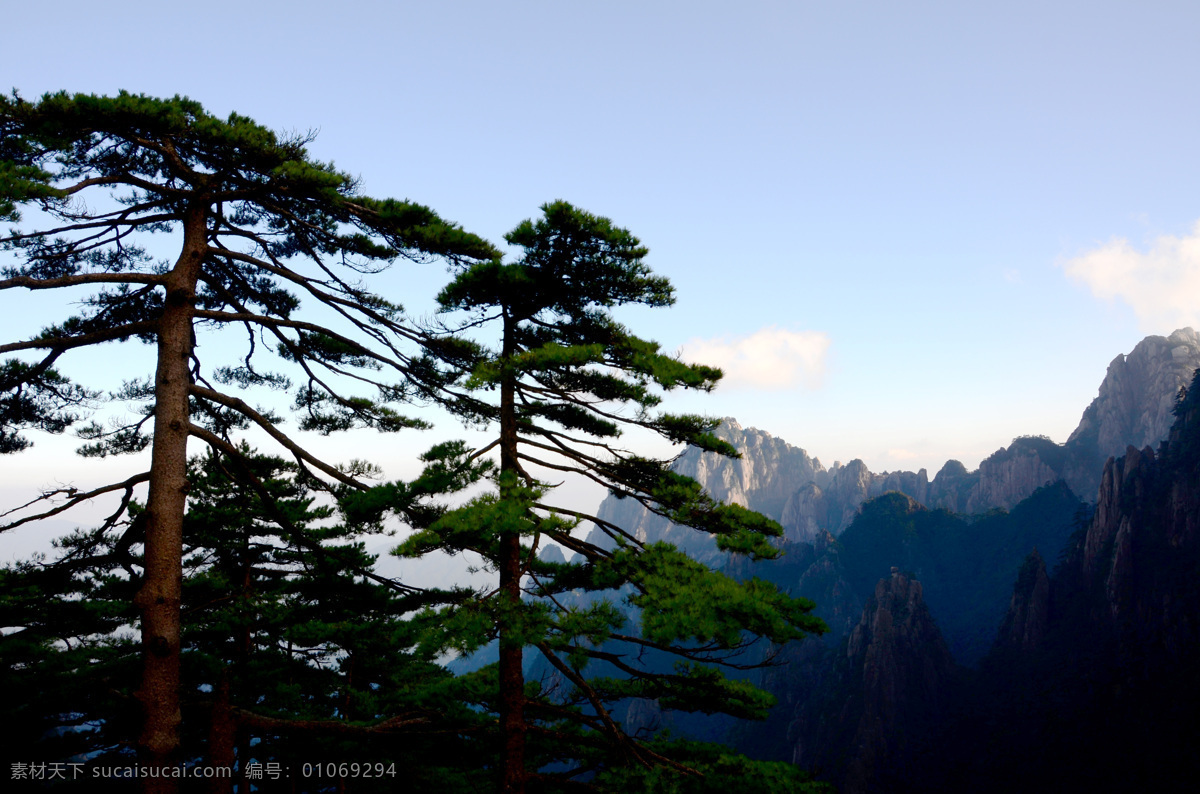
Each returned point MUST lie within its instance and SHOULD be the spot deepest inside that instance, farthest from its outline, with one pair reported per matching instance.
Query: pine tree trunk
(222, 736)
(244, 751)
(512, 676)
(241, 660)
(160, 594)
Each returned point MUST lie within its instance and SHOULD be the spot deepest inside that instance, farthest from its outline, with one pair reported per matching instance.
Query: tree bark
(160, 595)
(222, 736)
(512, 676)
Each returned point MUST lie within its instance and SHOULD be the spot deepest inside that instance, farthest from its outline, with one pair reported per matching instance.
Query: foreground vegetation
(238, 582)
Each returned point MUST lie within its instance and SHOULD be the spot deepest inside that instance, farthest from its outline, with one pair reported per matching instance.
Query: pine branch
(274, 432)
(74, 497)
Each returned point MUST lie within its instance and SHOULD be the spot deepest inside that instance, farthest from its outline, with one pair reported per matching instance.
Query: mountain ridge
(891, 699)
(1132, 407)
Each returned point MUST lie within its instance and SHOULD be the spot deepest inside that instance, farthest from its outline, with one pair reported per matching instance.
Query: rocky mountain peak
(1025, 625)
(898, 671)
(762, 479)
(784, 482)
(895, 616)
(551, 554)
(1133, 407)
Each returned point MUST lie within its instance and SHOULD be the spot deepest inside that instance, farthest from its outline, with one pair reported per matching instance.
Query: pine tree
(257, 225)
(291, 655)
(560, 385)
(307, 656)
(68, 659)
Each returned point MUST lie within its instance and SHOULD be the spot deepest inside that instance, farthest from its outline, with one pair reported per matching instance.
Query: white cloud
(770, 358)
(1161, 284)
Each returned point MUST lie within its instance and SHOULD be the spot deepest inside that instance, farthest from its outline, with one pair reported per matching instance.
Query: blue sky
(910, 231)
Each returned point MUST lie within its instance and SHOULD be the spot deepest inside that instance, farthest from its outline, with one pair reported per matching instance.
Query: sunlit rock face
(805, 515)
(762, 479)
(1008, 477)
(769, 470)
(812, 510)
(1133, 407)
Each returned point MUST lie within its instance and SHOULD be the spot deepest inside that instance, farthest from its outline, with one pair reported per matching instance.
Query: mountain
(967, 566)
(1025, 625)
(762, 479)
(887, 696)
(1090, 682)
(1133, 407)
(1093, 682)
(960, 656)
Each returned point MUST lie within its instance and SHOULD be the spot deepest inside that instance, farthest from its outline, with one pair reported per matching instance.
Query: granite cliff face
(1024, 627)
(1141, 553)
(813, 509)
(890, 687)
(762, 480)
(1009, 476)
(1133, 407)
(1092, 682)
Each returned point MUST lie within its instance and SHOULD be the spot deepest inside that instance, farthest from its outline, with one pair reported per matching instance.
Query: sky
(908, 231)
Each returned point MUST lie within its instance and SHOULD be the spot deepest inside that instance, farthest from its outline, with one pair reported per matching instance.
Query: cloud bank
(771, 358)
(1161, 284)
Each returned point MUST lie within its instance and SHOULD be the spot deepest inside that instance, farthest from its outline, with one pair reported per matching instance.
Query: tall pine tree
(559, 385)
(257, 227)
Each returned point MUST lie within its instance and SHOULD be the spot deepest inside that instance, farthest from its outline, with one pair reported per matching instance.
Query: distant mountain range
(1133, 407)
(1031, 625)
